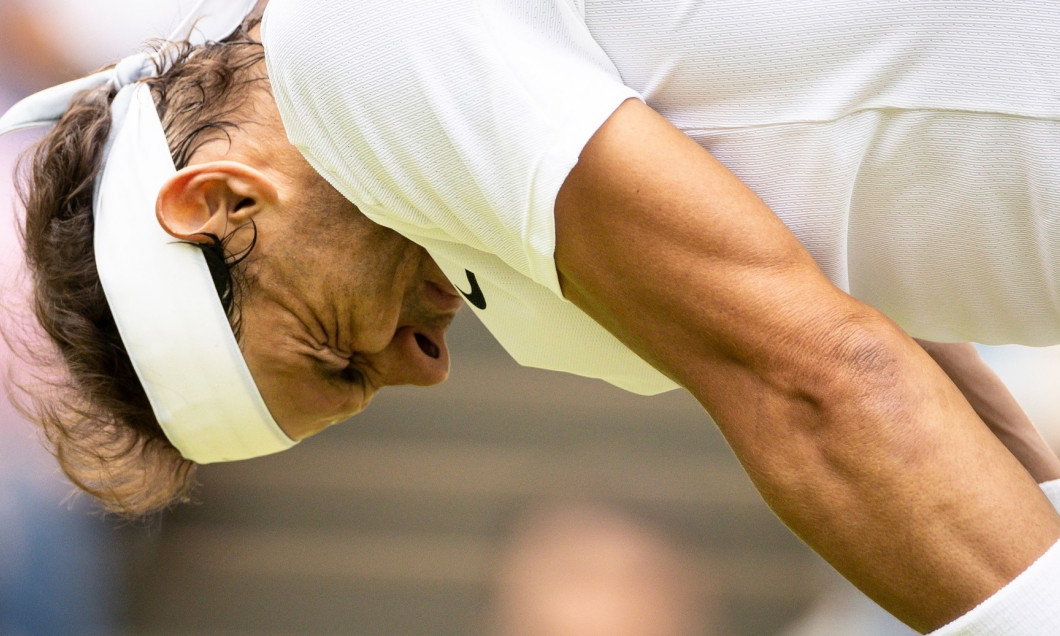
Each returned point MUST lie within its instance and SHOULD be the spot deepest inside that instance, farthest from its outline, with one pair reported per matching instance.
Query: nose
(414, 356)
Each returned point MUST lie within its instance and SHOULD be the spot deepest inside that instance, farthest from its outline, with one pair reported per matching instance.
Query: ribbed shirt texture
(913, 146)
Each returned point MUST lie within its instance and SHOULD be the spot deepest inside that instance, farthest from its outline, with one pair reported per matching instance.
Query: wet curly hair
(89, 403)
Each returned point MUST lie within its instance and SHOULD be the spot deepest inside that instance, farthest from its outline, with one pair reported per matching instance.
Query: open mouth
(427, 346)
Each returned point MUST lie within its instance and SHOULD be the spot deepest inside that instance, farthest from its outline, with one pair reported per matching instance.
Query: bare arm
(995, 405)
(857, 441)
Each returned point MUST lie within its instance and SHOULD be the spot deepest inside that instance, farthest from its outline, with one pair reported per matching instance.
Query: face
(334, 307)
(338, 307)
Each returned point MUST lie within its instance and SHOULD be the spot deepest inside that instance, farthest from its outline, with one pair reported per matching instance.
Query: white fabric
(475, 205)
(159, 290)
(208, 19)
(913, 147)
(47, 107)
(165, 305)
(1028, 606)
(1052, 491)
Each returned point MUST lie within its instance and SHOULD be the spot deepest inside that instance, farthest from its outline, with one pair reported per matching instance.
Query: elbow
(849, 392)
(849, 361)
(872, 392)
(862, 360)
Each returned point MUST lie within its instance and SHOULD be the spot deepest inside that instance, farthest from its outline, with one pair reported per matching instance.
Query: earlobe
(212, 199)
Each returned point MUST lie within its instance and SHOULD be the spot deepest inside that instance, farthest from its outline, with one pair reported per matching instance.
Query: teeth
(427, 346)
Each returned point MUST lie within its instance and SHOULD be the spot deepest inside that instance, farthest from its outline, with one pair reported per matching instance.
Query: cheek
(301, 398)
(303, 408)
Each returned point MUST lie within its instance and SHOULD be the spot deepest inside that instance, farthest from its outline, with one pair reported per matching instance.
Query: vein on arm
(851, 434)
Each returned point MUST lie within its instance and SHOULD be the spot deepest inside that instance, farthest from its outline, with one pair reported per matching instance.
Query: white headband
(159, 289)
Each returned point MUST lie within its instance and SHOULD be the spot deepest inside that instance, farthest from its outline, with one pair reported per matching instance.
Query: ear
(213, 198)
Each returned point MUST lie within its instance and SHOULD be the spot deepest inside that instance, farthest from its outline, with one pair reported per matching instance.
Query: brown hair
(96, 417)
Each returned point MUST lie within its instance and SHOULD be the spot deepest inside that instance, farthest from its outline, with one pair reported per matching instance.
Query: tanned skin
(991, 399)
(849, 430)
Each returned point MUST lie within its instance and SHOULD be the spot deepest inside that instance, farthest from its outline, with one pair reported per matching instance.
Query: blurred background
(507, 501)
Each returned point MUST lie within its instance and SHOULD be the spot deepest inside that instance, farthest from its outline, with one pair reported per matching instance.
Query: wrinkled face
(336, 308)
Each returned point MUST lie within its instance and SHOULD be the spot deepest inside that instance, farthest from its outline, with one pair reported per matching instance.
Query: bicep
(836, 414)
(664, 246)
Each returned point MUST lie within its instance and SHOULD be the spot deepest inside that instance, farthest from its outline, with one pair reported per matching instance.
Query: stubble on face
(324, 285)
(329, 284)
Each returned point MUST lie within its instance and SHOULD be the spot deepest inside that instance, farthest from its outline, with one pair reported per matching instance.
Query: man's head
(334, 306)
(330, 307)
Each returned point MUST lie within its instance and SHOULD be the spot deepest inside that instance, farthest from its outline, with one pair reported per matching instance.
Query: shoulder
(450, 118)
(367, 35)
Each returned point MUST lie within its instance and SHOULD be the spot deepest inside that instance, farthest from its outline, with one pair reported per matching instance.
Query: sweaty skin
(336, 307)
(996, 407)
(852, 435)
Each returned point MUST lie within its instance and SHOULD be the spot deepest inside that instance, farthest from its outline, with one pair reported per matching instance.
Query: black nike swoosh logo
(475, 296)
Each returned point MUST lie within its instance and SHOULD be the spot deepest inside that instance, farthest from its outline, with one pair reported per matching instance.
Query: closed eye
(352, 375)
(336, 366)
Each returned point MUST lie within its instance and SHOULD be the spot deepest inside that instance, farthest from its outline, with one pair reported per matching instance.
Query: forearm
(857, 440)
(868, 453)
(1026, 606)
(889, 477)
(996, 406)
